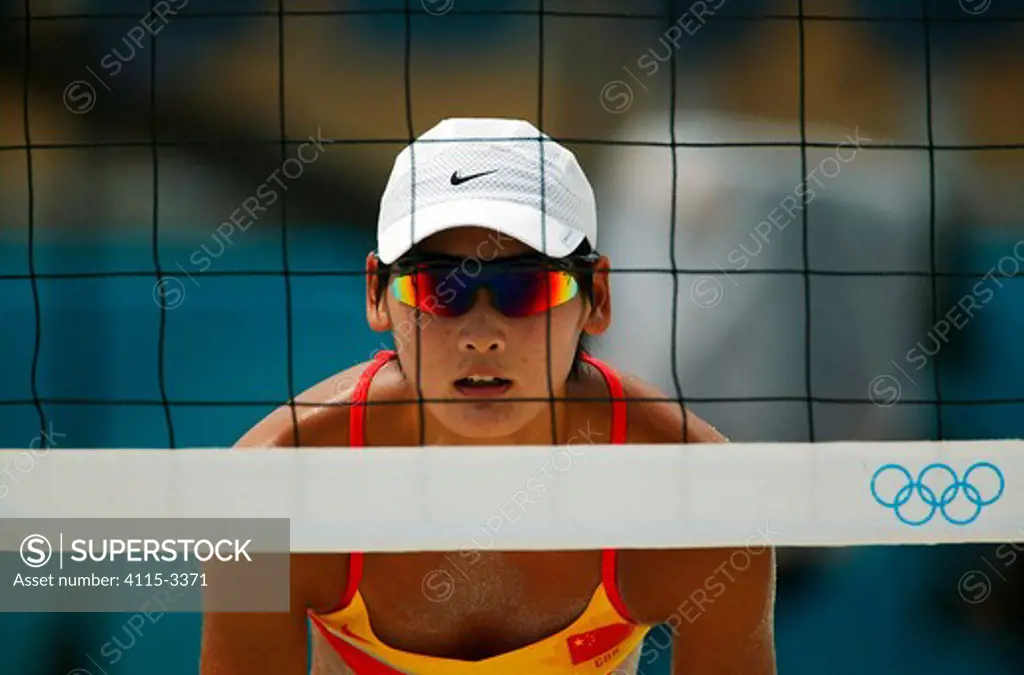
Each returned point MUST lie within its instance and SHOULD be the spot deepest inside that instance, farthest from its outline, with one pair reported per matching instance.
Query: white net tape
(552, 497)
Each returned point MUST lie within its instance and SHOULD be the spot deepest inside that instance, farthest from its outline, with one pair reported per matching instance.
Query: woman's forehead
(474, 241)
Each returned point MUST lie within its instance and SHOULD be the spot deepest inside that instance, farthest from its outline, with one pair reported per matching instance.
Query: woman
(499, 263)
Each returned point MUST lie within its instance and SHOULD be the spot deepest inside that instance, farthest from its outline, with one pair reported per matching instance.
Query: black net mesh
(163, 130)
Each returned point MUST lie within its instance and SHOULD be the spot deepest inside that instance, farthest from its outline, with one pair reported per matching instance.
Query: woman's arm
(722, 619)
(718, 603)
(276, 642)
(240, 644)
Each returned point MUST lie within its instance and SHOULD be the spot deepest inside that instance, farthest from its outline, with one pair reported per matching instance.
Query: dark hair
(582, 347)
(586, 284)
(585, 279)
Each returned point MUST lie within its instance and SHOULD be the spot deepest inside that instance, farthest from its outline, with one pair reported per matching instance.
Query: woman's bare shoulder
(322, 411)
(656, 417)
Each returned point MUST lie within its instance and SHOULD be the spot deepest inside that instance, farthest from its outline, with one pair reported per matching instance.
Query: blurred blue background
(104, 216)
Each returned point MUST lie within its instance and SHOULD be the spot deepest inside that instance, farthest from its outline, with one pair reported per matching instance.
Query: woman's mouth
(482, 386)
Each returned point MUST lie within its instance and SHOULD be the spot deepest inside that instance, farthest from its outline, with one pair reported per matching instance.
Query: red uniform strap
(355, 575)
(618, 432)
(611, 585)
(357, 439)
(618, 396)
(357, 413)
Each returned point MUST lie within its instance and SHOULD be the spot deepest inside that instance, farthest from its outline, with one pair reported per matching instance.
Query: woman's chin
(486, 420)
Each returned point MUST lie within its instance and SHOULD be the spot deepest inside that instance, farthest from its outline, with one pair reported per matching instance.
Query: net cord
(552, 408)
(933, 253)
(286, 272)
(804, 219)
(672, 234)
(37, 348)
(155, 156)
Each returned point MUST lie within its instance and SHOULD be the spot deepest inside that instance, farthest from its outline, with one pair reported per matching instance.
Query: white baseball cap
(487, 173)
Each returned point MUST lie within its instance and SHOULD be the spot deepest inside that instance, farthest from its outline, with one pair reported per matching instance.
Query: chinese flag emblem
(594, 643)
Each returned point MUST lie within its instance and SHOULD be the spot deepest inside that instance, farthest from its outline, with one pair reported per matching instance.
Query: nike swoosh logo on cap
(459, 180)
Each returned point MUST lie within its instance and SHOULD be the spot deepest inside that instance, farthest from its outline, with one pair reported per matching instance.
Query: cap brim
(525, 224)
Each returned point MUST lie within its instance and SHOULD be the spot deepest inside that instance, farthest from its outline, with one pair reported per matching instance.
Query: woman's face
(476, 368)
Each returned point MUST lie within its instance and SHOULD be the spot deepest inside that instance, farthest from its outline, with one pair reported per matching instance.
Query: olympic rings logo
(947, 496)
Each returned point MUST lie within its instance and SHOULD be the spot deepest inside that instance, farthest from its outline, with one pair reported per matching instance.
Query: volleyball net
(553, 497)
